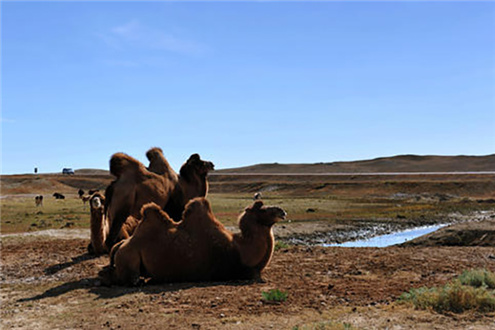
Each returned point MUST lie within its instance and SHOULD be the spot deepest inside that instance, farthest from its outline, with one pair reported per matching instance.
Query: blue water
(391, 239)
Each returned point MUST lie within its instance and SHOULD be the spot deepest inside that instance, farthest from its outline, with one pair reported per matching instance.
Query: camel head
(97, 201)
(194, 166)
(260, 215)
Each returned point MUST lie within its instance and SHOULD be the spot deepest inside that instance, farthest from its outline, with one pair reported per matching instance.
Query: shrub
(274, 296)
(473, 290)
(478, 278)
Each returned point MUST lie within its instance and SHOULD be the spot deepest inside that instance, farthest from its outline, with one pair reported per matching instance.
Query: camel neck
(255, 247)
(99, 230)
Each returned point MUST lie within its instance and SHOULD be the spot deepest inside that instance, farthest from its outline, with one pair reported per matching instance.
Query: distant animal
(39, 200)
(68, 171)
(198, 248)
(58, 195)
(81, 193)
(257, 196)
(137, 185)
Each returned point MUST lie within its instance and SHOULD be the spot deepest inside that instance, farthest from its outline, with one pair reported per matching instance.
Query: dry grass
(21, 214)
(473, 290)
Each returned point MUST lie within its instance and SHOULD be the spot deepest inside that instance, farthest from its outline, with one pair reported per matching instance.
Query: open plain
(49, 281)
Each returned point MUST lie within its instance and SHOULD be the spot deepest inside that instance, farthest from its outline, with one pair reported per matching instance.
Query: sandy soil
(50, 282)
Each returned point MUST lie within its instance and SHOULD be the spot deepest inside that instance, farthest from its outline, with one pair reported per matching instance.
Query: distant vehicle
(68, 171)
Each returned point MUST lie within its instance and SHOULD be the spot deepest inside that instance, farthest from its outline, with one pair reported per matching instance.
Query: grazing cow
(80, 193)
(39, 200)
(58, 196)
(257, 196)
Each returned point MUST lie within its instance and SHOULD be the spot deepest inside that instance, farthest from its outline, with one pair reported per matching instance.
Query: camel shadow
(58, 267)
(64, 288)
(105, 292)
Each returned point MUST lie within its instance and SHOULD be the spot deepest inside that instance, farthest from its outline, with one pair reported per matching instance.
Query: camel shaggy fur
(137, 185)
(198, 248)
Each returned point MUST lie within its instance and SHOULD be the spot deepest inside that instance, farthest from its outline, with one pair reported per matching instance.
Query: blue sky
(244, 82)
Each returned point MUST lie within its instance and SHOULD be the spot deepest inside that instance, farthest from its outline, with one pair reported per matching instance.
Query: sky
(243, 83)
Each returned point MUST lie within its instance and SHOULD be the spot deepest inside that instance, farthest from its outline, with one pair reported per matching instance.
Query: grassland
(20, 214)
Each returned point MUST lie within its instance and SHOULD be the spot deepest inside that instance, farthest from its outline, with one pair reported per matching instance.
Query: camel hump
(121, 162)
(153, 153)
(195, 206)
(158, 162)
(153, 212)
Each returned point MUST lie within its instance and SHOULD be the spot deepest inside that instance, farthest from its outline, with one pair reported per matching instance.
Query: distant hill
(396, 164)
(91, 171)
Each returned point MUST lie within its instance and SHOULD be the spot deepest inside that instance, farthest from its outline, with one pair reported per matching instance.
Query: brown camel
(100, 227)
(137, 185)
(198, 248)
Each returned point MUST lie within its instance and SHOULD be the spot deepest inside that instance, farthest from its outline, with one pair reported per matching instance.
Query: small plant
(280, 245)
(473, 290)
(274, 296)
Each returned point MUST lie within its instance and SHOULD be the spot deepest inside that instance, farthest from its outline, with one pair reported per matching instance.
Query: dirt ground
(51, 283)
(47, 281)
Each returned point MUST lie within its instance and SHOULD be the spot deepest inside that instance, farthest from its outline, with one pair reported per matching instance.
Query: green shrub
(473, 290)
(478, 278)
(274, 296)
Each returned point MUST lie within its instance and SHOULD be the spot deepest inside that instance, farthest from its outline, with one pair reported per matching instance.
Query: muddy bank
(354, 230)
(464, 234)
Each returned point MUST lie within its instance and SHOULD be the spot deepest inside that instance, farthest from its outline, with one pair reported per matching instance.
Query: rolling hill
(396, 164)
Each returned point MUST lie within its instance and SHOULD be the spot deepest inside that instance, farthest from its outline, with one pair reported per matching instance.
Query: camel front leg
(127, 265)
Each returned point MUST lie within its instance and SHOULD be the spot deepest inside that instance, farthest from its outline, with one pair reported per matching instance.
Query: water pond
(390, 239)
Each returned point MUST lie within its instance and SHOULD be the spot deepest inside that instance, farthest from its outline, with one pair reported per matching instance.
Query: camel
(137, 185)
(198, 248)
(98, 224)
(192, 183)
(100, 227)
(38, 200)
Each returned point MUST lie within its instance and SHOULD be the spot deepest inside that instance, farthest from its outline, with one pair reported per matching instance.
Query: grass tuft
(473, 290)
(274, 296)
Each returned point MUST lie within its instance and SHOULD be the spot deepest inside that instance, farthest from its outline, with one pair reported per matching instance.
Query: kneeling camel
(198, 248)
